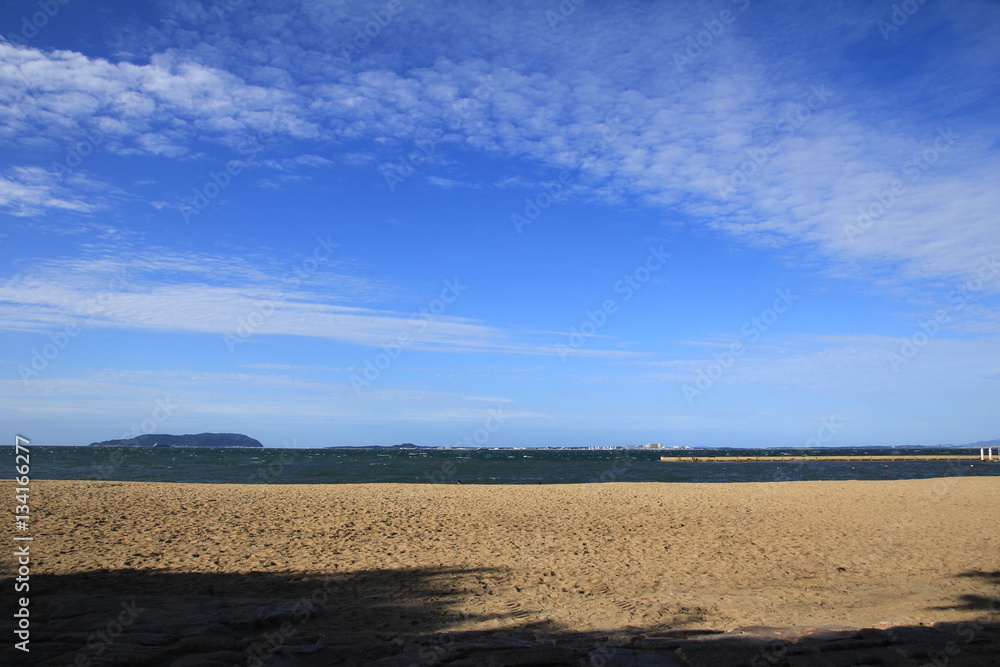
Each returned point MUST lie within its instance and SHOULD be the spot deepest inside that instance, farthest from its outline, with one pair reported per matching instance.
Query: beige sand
(582, 557)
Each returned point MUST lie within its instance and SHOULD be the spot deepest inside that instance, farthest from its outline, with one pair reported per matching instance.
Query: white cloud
(449, 183)
(183, 293)
(155, 108)
(290, 367)
(207, 396)
(32, 191)
(843, 368)
(676, 139)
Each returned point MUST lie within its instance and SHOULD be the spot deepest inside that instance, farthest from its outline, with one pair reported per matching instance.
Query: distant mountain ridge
(981, 443)
(197, 440)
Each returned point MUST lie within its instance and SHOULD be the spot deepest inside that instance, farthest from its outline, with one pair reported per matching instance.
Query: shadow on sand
(417, 617)
(990, 604)
(423, 600)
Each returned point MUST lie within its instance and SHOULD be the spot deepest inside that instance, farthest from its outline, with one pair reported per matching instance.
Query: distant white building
(654, 445)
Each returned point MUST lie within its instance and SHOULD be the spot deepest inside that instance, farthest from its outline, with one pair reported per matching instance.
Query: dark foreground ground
(182, 631)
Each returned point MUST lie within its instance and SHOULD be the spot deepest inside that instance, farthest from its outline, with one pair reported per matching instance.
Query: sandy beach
(428, 558)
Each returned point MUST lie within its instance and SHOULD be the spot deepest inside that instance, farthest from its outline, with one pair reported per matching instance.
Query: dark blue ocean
(534, 466)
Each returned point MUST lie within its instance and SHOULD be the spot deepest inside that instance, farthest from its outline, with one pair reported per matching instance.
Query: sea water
(495, 466)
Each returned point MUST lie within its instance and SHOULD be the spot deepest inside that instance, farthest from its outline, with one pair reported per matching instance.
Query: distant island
(199, 440)
(238, 440)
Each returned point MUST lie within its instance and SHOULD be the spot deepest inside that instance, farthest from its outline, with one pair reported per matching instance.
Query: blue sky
(538, 223)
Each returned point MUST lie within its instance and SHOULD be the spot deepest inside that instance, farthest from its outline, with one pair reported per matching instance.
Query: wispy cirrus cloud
(34, 191)
(190, 293)
(809, 151)
(248, 398)
(842, 368)
(857, 164)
